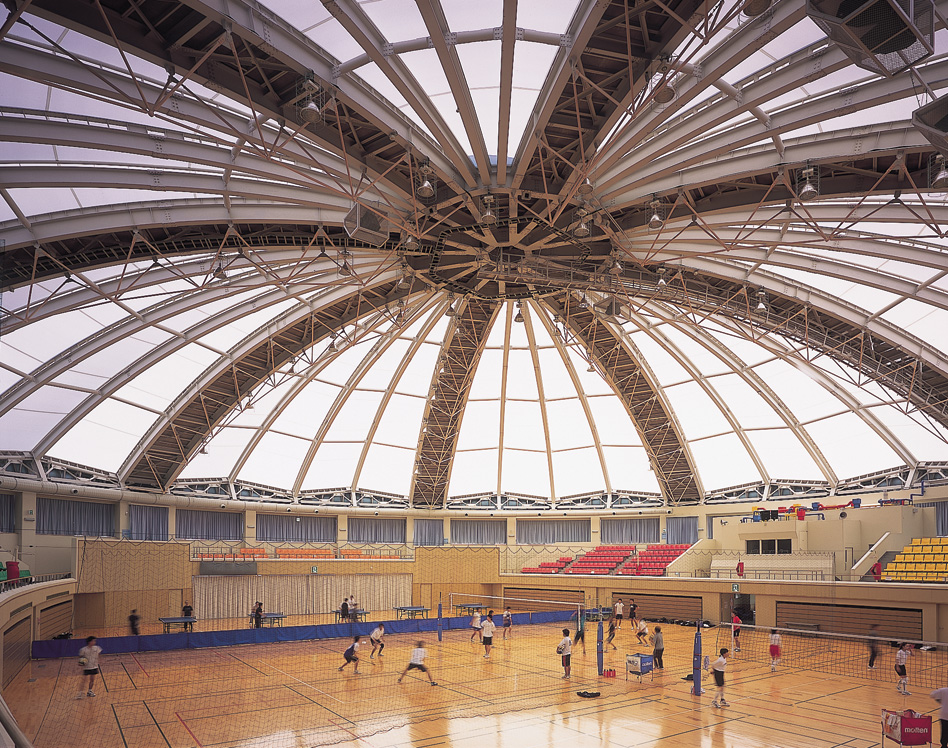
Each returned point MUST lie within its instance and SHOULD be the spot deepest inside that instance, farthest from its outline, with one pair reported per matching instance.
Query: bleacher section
(603, 560)
(548, 567)
(652, 561)
(924, 560)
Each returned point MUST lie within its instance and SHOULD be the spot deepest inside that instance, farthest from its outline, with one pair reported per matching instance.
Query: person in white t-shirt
(617, 610)
(352, 655)
(565, 649)
(774, 650)
(487, 633)
(417, 662)
(641, 632)
(376, 638)
(941, 696)
(89, 662)
(508, 623)
(476, 625)
(717, 669)
(901, 658)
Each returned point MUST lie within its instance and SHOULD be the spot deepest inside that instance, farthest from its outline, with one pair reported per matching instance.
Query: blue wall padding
(55, 648)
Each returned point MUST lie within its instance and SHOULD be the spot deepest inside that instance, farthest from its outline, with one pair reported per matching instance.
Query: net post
(440, 623)
(696, 663)
(599, 646)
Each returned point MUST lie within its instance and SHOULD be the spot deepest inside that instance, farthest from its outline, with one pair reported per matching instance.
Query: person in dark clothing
(133, 620)
(188, 612)
(257, 614)
(873, 646)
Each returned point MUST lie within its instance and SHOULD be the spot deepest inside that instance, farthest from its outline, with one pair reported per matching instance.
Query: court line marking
(139, 665)
(302, 682)
(190, 732)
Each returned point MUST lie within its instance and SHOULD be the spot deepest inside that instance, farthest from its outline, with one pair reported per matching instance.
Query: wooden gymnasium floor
(290, 695)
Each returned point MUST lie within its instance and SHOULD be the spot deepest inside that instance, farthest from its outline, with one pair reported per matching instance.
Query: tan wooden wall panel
(16, 649)
(55, 619)
(558, 599)
(675, 607)
(897, 623)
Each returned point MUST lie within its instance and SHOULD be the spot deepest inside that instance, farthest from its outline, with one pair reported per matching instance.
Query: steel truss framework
(627, 105)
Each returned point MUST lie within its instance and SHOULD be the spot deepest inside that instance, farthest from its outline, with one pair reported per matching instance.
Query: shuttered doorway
(16, 649)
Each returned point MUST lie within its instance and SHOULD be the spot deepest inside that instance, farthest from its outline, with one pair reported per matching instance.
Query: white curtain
(376, 530)
(7, 512)
(280, 528)
(233, 597)
(193, 524)
(628, 531)
(429, 532)
(147, 522)
(479, 532)
(552, 531)
(682, 530)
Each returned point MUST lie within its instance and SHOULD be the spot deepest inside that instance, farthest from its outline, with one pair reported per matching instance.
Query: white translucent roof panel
(398, 20)
(417, 377)
(487, 378)
(308, 409)
(221, 454)
(21, 427)
(523, 426)
(613, 422)
(784, 455)
(803, 395)
(745, 402)
(400, 422)
(531, 65)
(383, 370)
(557, 382)
(525, 472)
(104, 437)
(275, 461)
(629, 469)
(355, 417)
(697, 413)
(479, 426)
(473, 472)
(333, 466)
(157, 386)
(577, 471)
(569, 427)
(722, 461)
(851, 447)
(521, 376)
(388, 469)
(927, 441)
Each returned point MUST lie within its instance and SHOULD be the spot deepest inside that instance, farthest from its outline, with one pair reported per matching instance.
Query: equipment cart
(639, 665)
(906, 728)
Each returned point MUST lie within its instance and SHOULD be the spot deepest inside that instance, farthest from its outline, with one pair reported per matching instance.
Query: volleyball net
(846, 655)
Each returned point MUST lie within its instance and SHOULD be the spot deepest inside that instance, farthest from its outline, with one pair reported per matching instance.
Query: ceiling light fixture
(519, 317)
(657, 219)
(450, 311)
(940, 180)
(585, 187)
(426, 189)
(488, 216)
(661, 278)
(410, 242)
(219, 272)
(310, 113)
(809, 189)
(761, 300)
(322, 254)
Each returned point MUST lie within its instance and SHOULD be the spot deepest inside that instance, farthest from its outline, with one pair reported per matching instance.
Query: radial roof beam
(541, 397)
(360, 27)
(450, 387)
(439, 33)
(160, 455)
(509, 32)
(642, 397)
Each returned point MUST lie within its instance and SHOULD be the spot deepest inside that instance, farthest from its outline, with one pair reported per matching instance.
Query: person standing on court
(257, 614)
(417, 662)
(633, 608)
(612, 633)
(581, 627)
(641, 632)
(565, 650)
(353, 607)
(658, 647)
(188, 612)
(89, 662)
(476, 624)
(873, 646)
(617, 612)
(941, 696)
(508, 623)
(133, 620)
(901, 658)
(774, 650)
(717, 668)
(736, 630)
(352, 655)
(487, 633)
(344, 610)
(376, 638)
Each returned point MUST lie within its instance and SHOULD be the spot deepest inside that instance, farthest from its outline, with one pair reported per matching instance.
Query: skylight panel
(220, 455)
(629, 469)
(532, 63)
(160, 383)
(275, 461)
(417, 377)
(722, 461)
(805, 398)
(388, 469)
(308, 409)
(851, 446)
(487, 378)
(577, 471)
(521, 376)
(481, 64)
(660, 361)
(921, 320)
(353, 421)
(745, 402)
(104, 437)
(525, 472)
(556, 379)
(697, 413)
(479, 425)
(227, 336)
(23, 426)
(591, 382)
(612, 421)
(473, 472)
(569, 427)
(397, 20)
(334, 466)
(928, 442)
(401, 422)
(484, 14)
(383, 370)
(784, 455)
(523, 426)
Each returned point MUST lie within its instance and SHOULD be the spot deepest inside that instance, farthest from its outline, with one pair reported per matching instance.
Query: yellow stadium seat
(931, 567)
(941, 568)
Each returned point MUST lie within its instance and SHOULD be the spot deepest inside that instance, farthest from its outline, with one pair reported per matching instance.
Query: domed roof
(429, 253)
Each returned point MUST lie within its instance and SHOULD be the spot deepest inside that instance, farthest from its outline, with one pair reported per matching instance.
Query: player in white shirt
(417, 662)
(508, 623)
(376, 638)
(617, 609)
(476, 625)
(941, 696)
(901, 657)
(774, 650)
(565, 649)
(89, 662)
(352, 655)
(487, 633)
(642, 633)
(717, 669)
